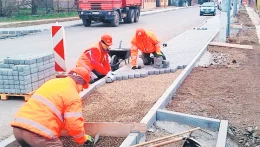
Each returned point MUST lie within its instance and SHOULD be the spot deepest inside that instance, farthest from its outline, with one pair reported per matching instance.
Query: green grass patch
(25, 16)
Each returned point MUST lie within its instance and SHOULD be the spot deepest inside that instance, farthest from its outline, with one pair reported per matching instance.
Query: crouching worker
(55, 106)
(95, 58)
(148, 44)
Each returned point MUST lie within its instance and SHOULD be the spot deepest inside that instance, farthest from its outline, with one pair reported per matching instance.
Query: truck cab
(109, 11)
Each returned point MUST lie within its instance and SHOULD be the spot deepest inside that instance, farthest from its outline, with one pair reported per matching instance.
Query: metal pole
(228, 17)
(235, 8)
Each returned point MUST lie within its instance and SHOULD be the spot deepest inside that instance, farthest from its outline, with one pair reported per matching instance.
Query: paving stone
(16, 78)
(173, 70)
(161, 71)
(145, 74)
(131, 76)
(137, 75)
(150, 72)
(156, 72)
(6, 82)
(11, 82)
(1, 82)
(167, 70)
(125, 77)
(1, 86)
(119, 77)
(1, 77)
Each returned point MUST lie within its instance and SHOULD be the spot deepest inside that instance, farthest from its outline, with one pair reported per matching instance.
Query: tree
(34, 7)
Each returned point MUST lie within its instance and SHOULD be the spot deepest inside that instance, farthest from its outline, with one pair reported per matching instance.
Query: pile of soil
(247, 34)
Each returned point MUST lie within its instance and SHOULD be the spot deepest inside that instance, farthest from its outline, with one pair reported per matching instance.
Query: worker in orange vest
(147, 43)
(95, 58)
(55, 106)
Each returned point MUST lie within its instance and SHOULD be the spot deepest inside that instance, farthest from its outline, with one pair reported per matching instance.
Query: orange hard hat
(83, 73)
(107, 39)
(140, 33)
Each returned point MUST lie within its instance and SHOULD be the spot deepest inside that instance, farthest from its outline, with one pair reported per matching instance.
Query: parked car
(208, 8)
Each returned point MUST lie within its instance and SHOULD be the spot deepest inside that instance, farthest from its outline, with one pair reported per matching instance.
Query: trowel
(96, 139)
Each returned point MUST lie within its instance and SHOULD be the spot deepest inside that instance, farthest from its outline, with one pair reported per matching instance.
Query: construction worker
(55, 106)
(95, 58)
(147, 42)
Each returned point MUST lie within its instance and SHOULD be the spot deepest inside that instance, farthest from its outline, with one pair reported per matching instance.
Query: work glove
(158, 54)
(138, 67)
(89, 142)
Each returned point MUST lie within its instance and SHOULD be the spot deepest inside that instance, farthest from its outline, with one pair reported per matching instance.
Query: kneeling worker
(55, 106)
(95, 58)
(148, 44)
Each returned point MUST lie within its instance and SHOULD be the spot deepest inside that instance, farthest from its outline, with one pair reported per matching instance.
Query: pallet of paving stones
(6, 96)
(25, 73)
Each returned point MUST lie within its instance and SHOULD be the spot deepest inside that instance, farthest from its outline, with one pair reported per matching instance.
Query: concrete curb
(8, 141)
(222, 134)
(150, 117)
(22, 31)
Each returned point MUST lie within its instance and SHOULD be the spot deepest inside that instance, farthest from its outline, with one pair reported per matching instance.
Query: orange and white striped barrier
(58, 38)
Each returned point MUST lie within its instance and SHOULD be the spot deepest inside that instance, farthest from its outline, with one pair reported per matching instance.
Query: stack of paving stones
(25, 73)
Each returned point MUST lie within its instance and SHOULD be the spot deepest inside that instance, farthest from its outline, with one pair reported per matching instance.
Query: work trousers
(29, 139)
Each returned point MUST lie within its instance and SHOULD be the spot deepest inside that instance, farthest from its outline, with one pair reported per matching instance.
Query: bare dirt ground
(123, 101)
(228, 90)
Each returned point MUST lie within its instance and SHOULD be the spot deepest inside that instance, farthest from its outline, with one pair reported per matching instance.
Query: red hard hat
(83, 73)
(107, 39)
(140, 33)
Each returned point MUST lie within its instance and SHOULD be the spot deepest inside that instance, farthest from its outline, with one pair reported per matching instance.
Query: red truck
(109, 11)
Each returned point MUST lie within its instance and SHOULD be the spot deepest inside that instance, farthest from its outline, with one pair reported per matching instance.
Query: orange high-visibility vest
(94, 58)
(150, 45)
(55, 106)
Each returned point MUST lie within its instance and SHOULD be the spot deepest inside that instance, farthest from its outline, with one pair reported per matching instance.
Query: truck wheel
(137, 14)
(86, 22)
(115, 22)
(130, 16)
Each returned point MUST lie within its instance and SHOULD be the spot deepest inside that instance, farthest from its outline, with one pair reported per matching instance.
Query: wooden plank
(113, 129)
(5, 96)
(231, 45)
(222, 133)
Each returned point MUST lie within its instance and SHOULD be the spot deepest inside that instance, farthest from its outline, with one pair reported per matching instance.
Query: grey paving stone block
(33, 65)
(21, 62)
(16, 62)
(30, 31)
(2, 91)
(24, 73)
(33, 70)
(6, 86)
(41, 76)
(46, 62)
(15, 73)
(137, 75)
(53, 76)
(41, 82)
(1, 86)
(1, 77)
(173, 70)
(25, 32)
(167, 70)
(18, 32)
(156, 72)
(11, 32)
(39, 64)
(4, 32)
(11, 82)
(7, 90)
(125, 77)
(23, 67)
(150, 72)
(12, 90)
(24, 82)
(16, 78)
(161, 71)
(119, 77)
(109, 80)
(17, 91)
(131, 76)
(39, 60)
(145, 74)
(46, 79)
(30, 61)
(16, 82)
(6, 82)
(5, 77)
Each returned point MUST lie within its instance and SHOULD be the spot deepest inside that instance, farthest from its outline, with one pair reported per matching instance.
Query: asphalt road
(165, 25)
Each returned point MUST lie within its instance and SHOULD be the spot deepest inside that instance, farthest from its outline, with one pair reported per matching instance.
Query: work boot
(147, 60)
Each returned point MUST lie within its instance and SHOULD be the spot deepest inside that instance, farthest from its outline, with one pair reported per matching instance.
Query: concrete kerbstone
(150, 72)
(161, 71)
(145, 74)
(125, 77)
(167, 70)
(137, 75)
(156, 72)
